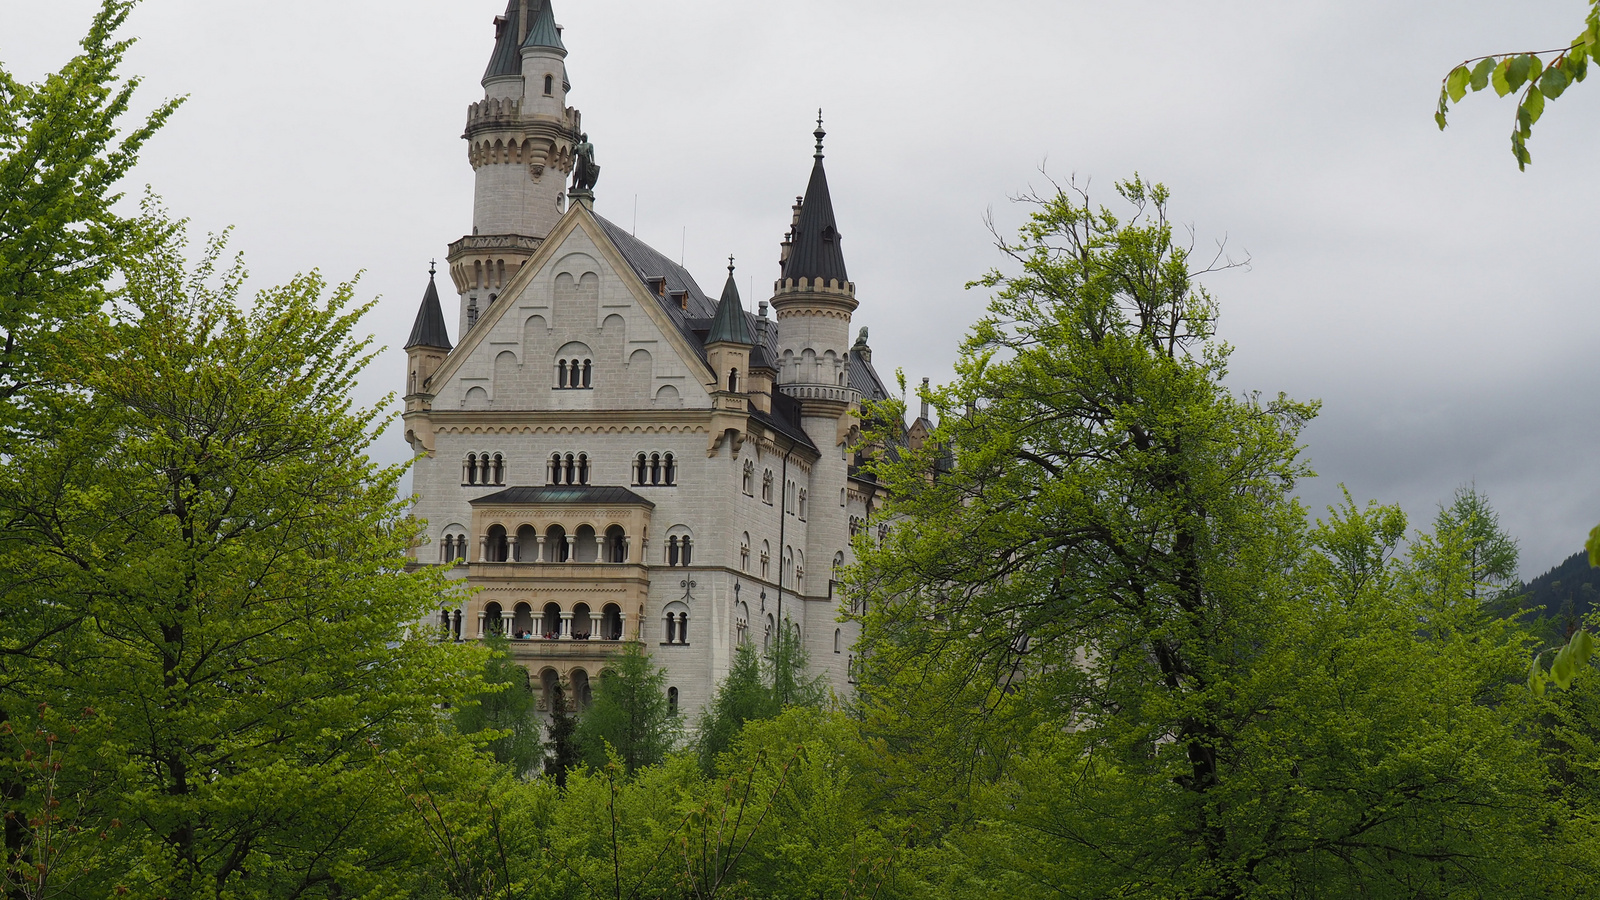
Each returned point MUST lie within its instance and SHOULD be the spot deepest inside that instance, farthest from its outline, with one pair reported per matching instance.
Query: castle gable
(580, 328)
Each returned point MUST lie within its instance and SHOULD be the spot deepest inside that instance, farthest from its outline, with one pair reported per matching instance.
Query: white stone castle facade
(608, 454)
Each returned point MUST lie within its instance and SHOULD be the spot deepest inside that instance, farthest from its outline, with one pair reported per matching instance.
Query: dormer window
(549, 84)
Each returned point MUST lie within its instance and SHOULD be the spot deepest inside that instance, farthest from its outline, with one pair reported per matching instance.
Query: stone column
(508, 620)
(511, 549)
(566, 625)
(539, 557)
(483, 548)
(627, 550)
(599, 549)
(572, 548)
(624, 635)
(480, 624)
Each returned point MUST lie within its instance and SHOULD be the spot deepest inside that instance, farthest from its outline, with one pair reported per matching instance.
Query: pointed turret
(815, 251)
(429, 330)
(426, 350)
(506, 62)
(543, 31)
(730, 325)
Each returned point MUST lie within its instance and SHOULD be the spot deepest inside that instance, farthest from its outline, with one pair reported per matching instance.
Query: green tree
(507, 709)
(755, 689)
(1106, 656)
(1491, 554)
(562, 754)
(630, 715)
(1528, 74)
(61, 156)
(743, 696)
(230, 566)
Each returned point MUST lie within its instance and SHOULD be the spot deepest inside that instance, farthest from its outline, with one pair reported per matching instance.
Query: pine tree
(630, 715)
(561, 747)
(507, 708)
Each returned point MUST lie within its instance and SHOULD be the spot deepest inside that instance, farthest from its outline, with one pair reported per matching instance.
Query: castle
(609, 455)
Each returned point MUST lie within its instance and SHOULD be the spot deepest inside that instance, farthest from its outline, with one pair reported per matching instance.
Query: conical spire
(507, 57)
(731, 326)
(429, 330)
(816, 252)
(543, 31)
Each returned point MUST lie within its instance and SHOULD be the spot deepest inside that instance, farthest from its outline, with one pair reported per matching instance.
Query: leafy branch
(1527, 74)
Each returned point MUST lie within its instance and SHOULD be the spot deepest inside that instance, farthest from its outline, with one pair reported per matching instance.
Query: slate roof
(507, 56)
(816, 252)
(864, 378)
(696, 323)
(543, 31)
(429, 329)
(577, 493)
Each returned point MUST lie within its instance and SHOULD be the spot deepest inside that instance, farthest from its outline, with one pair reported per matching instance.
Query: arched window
(499, 469)
(641, 470)
(685, 546)
(582, 622)
(556, 549)
(522, 624)
(561, 373)
(802, 504)
(571, 469)
(497, 544)
(669, 476)
(588, 367)
(493, 619)
(672, 701)
(470, 474)
(611, 622)
(549, 84)
(655, 468)
(837, 634)
(616, 545)
(749, 478)
(550, 623)
(744, 552)
(583, 468)
(675, 623)
(733, 381)
(766, 558)
(800, 578)
(766, 488)
(672, 552)
(524, 543)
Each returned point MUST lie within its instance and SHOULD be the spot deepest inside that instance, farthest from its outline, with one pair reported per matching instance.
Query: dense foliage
(1106, 653)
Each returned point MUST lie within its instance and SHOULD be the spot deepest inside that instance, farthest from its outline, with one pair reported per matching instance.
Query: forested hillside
(1558, 601)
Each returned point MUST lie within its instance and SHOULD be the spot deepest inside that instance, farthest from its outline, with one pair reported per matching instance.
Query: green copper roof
(506, 60)
(543, 33)
(731, 326)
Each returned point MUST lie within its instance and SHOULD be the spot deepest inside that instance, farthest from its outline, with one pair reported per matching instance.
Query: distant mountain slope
(1567, 593)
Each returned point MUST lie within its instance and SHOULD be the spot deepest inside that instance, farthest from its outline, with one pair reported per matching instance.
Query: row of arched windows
(552, 623)
(573, 468)
(555, 545)
(482, 468)
(655, 470)
(677, 628)
(574, 374)
(748, 484)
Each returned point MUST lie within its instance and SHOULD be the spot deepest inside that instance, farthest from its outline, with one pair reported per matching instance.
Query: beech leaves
(1526, 74)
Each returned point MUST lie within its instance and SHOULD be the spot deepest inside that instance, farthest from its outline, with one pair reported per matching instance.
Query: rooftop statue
(584, 171)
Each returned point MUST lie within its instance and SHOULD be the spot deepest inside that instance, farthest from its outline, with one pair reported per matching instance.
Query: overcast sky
(1440, 304)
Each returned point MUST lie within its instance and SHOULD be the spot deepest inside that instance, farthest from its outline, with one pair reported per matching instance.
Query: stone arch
(505, 371)
(641, 372)
(667, 396)
(476, 398)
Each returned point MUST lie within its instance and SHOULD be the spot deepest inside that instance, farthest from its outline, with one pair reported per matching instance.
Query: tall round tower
(814, 300)
(519, 139)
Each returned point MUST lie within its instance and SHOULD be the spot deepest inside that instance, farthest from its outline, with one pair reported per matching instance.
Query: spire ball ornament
(819, 133)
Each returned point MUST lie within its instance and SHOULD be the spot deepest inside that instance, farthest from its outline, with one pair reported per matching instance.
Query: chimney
(522, 25)
(925, 399)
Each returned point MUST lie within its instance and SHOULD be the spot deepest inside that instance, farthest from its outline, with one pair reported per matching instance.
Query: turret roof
(507, 57)
(429, 330)
(731, 325)
(816, 252)
(543, 31)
